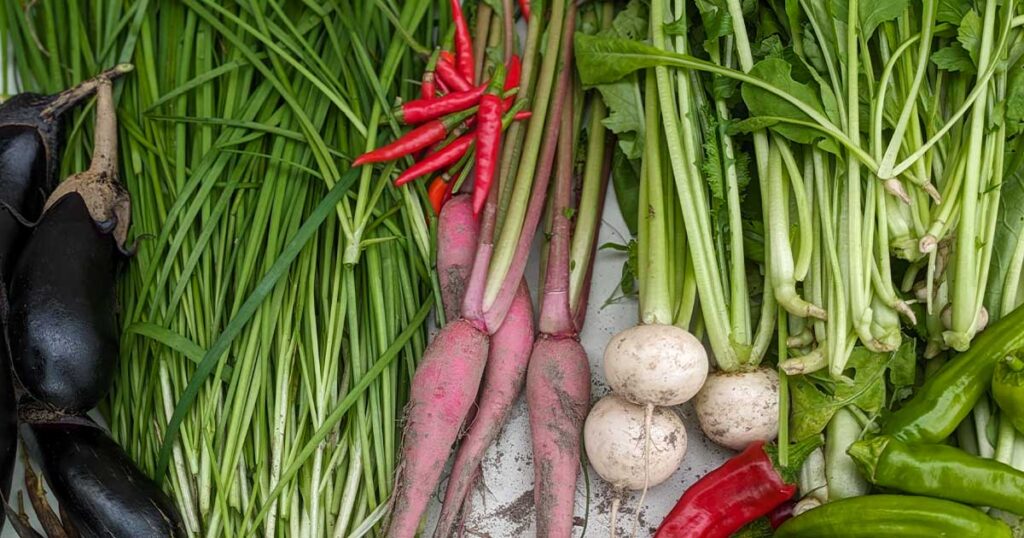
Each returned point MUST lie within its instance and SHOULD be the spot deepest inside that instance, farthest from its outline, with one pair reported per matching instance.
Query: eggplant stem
(72, 96)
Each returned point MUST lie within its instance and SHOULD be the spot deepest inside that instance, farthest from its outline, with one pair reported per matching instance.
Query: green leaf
(954, 58)
(812, 409)
(952, 11)
(631, 22)
(626, 181)
(715, 18)
(625, 114)
(969, 34)
(1015, 94)
(750, 125)
(1009, 227)
(875, 12)
(763, 103)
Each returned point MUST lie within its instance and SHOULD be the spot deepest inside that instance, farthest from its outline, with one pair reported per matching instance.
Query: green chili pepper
(940, 471)
(876, 516)
(1008, 389)
(949, 395)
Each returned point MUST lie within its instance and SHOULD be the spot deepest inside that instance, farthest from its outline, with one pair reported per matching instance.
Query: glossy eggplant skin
(61, 324)
(96, 483)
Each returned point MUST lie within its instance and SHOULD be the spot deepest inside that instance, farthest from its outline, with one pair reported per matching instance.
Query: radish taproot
(503, 380)
(457, 234)
(61, 328)
(737, 408)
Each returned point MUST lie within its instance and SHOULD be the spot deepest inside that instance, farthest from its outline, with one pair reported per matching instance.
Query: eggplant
(61, 325)
(98, 487)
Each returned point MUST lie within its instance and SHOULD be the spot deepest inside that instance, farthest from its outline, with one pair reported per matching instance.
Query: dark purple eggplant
(98, 487)
(61, 325)
(31, 138)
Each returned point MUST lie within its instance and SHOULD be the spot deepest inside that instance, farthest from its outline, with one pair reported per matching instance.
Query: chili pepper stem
(1014, 363)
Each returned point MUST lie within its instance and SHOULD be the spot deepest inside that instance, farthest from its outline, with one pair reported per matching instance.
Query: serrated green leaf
(631, 22)
(954, 58)
(875, 12)
(952, 11)
(715, 18)
(763, 103)
(750, 125)
(969, 34)
(625, 114)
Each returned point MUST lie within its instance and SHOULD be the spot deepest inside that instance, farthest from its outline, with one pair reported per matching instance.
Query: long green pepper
(940, 471)
(875, 516)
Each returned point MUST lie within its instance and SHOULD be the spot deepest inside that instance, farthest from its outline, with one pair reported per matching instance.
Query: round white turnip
(623, 453)
(737, 408)
(659, 365)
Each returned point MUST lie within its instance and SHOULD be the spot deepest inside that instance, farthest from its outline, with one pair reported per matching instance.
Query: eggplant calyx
(104, 196)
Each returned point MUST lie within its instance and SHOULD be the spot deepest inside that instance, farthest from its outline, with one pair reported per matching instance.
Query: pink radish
(503, 380)
(443, 391)
(457, 234)
(558, 394)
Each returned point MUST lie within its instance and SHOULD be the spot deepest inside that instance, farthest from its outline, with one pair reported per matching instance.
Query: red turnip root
(443, 391)
(503, 381)
(557, 394)
(738, 408)
(457, 234)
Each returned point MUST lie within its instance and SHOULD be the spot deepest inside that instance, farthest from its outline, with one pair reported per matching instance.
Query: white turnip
(659, 365)
(737, 408)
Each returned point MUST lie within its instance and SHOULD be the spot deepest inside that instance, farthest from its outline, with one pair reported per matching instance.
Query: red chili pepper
(438, 160)
(781, 513)
(421, 110)
(448, 74)
(522, 116)
(745, 488)
(463, 43)
(488, 139)
(415, 140)
(429, 86)
(515, 71)
(436, 193)
(524, 6)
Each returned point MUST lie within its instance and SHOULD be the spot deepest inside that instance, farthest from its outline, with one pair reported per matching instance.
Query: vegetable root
(443, 392)
(504, 377)
(557, 394)
(660, 365)
(457, 233)
(736, 409)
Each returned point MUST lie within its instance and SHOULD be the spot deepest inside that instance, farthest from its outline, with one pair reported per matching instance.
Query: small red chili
(743, 489)
(463, 43)
(438, 160)
(488, 139)
(421, 110)
(515, 71)
(449, 75)
(524, 7)
(429, 86)
(419, 138)
(436, 193)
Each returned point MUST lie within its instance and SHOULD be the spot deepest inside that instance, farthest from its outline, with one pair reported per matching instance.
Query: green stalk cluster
(276, 306)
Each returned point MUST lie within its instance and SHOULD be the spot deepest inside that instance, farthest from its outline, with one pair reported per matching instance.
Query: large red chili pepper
(515, 71)
(421, 110)
(524, 7)
(745, 488)
(488, 139)
(463, 43)
(438, 160)
(436, 193)
(449, 75)
(419, 138)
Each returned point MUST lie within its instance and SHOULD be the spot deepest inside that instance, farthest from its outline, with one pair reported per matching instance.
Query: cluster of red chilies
(456, 121)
